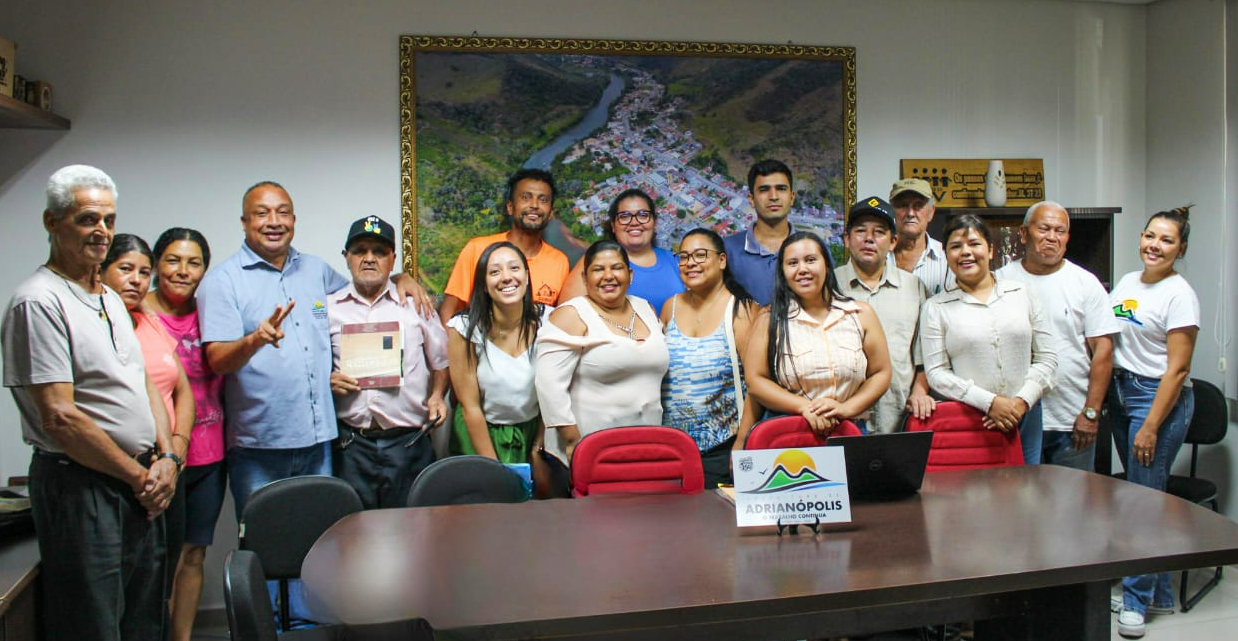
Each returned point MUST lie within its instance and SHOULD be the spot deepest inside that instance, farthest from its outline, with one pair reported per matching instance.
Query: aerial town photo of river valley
(684, 129)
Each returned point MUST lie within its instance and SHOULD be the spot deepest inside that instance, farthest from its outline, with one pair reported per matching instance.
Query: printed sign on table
(803, 485)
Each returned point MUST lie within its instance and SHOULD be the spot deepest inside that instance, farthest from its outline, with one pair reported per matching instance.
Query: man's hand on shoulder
(410, 290)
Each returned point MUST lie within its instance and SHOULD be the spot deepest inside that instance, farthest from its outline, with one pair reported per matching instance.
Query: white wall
(187, 104)
(1188, 111)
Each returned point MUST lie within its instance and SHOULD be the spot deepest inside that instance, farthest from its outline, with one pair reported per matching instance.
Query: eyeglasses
(625, 217)
(698, 256)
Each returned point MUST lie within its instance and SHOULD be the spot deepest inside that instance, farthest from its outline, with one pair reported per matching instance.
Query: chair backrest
(461, 480)
(283, 519)
(961, 441)
(246, 600)
(792, 431)
(1211, 418)
(640, 459)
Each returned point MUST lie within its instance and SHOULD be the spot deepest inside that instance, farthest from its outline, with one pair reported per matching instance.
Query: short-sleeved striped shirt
(931, 269)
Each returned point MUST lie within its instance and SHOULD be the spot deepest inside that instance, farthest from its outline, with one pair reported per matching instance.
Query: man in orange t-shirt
(530, 205)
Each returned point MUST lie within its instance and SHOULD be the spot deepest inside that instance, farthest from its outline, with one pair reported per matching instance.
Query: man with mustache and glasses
(1083, 327)
(97, 486)
(530, 205)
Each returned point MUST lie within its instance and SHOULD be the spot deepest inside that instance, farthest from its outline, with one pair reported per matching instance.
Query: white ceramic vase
(995, 185)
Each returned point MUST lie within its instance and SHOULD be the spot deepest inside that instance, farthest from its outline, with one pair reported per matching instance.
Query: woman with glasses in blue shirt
(632, 222)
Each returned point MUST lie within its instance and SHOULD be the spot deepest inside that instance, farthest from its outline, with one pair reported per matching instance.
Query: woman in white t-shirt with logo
(1151, 401)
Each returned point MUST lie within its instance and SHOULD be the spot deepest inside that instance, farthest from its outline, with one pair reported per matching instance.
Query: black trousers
(382, 469)
(102, 560)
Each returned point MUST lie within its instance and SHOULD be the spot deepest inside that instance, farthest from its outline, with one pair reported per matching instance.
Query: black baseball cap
(371, 226)
(871, 206)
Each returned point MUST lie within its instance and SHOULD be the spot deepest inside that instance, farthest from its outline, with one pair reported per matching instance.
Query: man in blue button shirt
(263, 314)
(264, 322)
(752, 254)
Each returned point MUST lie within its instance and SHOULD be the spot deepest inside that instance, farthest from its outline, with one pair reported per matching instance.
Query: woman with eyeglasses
(704, 392)
(127, 269)
(632, 222)
(815, 352)
(601, 358)
(1151, 401)
(182, 257)
(987, 343)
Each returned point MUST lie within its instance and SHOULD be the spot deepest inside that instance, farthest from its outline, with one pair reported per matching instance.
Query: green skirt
(512, 443)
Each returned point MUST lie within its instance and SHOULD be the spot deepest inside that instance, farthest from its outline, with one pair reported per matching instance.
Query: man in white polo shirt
(1083, 327)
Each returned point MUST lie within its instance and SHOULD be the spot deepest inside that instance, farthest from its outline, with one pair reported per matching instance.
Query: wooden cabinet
(15, 114)
(1091, 235)
(19, 571)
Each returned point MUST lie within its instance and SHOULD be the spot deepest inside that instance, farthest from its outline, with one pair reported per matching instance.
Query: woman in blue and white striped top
(703, 393)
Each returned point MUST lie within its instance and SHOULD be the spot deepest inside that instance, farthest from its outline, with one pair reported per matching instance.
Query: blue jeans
(1031, 429)
(251, 468)
(1129, 402)
(1058, 448)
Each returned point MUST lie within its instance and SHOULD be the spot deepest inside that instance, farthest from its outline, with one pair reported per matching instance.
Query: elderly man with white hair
(1082, 331)
(103, 470)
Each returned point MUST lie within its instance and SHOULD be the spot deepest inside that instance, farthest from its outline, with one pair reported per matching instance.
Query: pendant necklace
(502, 332)
(630, 329)
(101, 309)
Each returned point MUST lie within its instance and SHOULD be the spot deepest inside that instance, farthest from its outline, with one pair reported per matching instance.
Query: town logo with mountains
(793, 471)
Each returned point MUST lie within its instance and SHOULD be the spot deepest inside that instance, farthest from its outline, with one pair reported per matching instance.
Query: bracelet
(180, 463)
(178, 435)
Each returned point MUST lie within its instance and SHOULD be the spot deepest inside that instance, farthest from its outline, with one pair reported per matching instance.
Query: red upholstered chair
(791, 431)
(961, 442)
(640, 459)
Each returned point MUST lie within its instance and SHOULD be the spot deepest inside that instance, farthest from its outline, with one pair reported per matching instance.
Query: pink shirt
(159, 354)
(206, 442)
(425, 350)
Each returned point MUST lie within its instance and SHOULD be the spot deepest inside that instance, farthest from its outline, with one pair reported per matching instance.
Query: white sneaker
(1130, 624)
(1115, 606)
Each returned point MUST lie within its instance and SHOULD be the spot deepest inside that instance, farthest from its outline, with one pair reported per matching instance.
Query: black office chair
(462, 480)
(282, 520)
(249, 606)
(250, 617)
(1208, 427)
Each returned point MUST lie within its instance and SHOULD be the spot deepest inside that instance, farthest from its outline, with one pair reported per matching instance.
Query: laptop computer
(884, 466)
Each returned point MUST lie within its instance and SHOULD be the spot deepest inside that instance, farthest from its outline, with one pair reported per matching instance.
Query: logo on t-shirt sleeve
(1126, 311)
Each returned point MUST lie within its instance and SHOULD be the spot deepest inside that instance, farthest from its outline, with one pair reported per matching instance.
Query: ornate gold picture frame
(682, 120)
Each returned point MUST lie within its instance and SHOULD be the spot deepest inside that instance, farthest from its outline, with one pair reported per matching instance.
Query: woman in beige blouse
(601, 358)
(987, 343)
(815, 352)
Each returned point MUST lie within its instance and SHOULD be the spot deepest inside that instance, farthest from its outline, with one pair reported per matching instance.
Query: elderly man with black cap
(385, 412)
(914, 250)
(896, 297)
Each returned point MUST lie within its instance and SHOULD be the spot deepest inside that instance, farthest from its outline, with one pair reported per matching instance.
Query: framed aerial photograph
(682, 120)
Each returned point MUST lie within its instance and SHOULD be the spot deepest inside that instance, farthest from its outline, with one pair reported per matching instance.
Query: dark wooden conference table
(1026, 552)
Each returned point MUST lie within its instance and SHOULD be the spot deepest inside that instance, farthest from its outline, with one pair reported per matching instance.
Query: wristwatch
(1090, 414)
(180, 463)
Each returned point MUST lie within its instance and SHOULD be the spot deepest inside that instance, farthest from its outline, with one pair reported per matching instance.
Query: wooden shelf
(1081, 212)
(1091, 239)
(15, 114)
